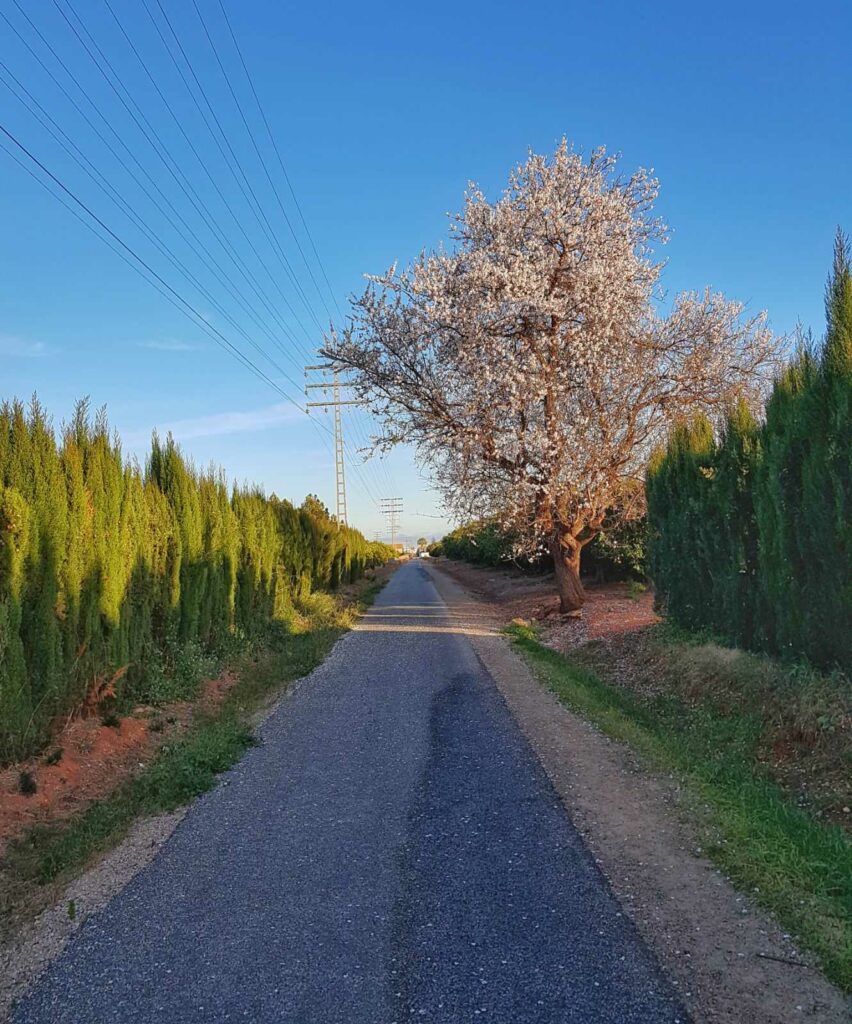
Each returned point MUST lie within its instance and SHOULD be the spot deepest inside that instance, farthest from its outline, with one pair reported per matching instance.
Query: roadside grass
(801, 717)
(186, 768)
(795, 865)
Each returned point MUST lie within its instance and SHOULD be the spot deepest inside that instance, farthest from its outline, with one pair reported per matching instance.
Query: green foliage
(617, 553)
(136, 580)
(751, 532)
(483, 542)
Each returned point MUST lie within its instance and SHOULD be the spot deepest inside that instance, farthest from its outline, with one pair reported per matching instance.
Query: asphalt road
(392, 852)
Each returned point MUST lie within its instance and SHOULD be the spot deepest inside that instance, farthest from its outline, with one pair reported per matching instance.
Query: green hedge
(481, 543)
(617, 553)
(751, 531)
(108, 571)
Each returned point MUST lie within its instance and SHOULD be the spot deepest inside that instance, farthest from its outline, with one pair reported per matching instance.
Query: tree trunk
(566, 565)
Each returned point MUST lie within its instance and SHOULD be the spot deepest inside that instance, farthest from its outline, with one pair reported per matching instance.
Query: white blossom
(528, 362)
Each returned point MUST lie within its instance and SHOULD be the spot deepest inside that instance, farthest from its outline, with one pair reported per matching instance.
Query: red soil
(95, 759)
(608, 612)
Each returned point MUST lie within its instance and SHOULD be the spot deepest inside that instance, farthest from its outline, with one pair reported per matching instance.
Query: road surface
(392, 852)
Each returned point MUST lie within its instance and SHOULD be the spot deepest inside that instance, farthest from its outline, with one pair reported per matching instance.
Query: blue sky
(382, 113)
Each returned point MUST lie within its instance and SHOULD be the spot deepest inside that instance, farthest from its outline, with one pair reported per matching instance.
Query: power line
(115, 197)
(176, 298)
(365, 463)
(257, 150)
(70, 147)
(204, 165)
(376, 473)
(197, 243)
(161, 150)
(278, 154)
(229, 161)
(379, 473)
(256, 208)
(137, 263)
(260, 156)
(121, 248)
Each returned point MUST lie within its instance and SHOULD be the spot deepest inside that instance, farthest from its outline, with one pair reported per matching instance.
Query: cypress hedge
(109, 571)
(751, 529)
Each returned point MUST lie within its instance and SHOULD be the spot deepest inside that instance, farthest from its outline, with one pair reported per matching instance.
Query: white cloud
(221, 423)
(12, 345)
(170, 345)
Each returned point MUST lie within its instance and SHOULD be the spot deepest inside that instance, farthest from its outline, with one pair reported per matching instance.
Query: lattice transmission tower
(392, 508)
(333, 389)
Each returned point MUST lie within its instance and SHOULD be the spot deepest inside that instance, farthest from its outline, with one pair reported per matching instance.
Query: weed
(521, 629)
(635, 589)
(55, 757)
(111, 719)
(27, 783)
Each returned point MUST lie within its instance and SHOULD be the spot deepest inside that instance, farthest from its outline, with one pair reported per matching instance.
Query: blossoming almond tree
(528, 363)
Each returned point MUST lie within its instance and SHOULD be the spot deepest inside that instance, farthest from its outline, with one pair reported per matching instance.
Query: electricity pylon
(334, 386)
(392, 508)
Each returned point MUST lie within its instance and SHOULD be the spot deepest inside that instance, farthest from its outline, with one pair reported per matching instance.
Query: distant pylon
(392, 508)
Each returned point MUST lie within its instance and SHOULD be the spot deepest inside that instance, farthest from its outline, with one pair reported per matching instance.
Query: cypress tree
(682, 543)
(735, 599)
(826, 526)
(16, 698)
(779, 508)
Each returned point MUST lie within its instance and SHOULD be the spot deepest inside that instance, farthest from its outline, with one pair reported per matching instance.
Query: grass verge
(798, 867)
(183, 769)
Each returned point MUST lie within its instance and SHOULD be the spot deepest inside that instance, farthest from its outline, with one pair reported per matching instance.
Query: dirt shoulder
(611, 609)
(728, 958)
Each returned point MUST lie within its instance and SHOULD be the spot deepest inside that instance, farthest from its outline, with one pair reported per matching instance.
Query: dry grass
(707, 715)
(800, 719)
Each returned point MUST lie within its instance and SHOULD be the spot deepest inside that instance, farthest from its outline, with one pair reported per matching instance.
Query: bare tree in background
(528, 363)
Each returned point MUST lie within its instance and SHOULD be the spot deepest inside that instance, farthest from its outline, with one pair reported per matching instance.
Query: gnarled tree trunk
(566, 565)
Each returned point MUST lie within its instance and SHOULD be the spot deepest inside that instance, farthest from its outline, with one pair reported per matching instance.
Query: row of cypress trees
(108, 569)
(751, 529)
